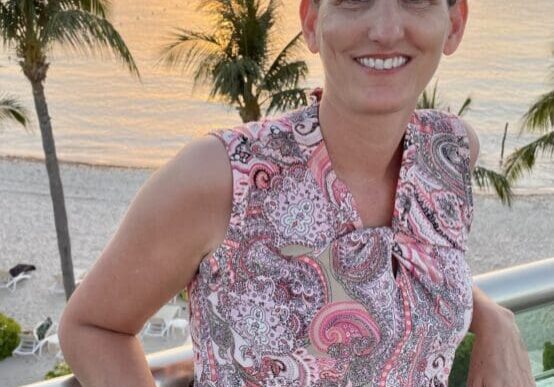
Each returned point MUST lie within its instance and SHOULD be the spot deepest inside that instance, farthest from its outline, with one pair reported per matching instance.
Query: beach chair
(32, 342)
(52, 344)
(155, 327)
(10, 282)
(21, 268)
(179, 324)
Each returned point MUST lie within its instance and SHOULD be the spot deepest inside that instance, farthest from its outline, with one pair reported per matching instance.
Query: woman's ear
(308, 18)
(458, 20)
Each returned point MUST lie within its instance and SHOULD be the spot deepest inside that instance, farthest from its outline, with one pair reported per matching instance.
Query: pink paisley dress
(300, 293)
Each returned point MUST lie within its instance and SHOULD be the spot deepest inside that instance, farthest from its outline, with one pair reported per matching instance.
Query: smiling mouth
(383, 64)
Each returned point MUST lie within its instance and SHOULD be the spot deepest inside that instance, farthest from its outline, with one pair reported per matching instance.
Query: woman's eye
(353, 3)
(417, 3)
(366, 3)
(410, 3)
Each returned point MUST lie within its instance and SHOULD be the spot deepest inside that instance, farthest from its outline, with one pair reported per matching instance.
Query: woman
(324, 247)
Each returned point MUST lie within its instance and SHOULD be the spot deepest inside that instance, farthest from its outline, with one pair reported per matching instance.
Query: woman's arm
(179, 216)
(499, 357)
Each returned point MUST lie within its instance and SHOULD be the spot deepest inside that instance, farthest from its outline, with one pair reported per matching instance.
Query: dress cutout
(300, 293)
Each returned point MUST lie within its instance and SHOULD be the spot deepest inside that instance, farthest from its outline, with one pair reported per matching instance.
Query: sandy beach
(97, 198)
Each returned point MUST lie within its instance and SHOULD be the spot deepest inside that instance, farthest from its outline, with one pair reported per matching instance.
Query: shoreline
(518, 191)
(33, 159)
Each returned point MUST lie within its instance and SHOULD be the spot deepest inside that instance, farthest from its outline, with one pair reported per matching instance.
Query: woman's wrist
(488, 315)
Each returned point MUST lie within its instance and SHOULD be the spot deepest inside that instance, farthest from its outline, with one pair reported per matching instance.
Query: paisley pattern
(300, 293)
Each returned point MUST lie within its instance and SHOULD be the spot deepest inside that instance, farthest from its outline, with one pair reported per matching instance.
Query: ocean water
(103, 115)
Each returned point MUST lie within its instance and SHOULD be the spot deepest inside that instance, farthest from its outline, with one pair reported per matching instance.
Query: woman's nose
(385, 24)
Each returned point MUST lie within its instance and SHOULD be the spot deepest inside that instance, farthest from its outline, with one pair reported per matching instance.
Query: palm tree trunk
(56, 188)
(251, 110)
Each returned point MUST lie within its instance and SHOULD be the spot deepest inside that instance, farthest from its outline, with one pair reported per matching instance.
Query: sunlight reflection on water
(100, 114)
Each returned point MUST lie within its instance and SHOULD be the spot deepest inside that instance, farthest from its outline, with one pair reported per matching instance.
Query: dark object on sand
(21, 268)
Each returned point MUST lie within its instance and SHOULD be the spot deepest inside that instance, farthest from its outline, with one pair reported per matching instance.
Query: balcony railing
(523, 289)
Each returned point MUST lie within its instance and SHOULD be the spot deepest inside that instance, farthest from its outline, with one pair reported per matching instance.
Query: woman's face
(379, 55)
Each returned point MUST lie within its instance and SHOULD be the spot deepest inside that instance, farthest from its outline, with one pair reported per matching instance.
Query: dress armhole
(460, 130)
(213, 264)
(232, 141)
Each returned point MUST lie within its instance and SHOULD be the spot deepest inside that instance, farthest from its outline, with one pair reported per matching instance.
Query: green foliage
(60, 369)
(31, 27)
(430, 100)
(240, 58)
(9, 336)
(184, 295)
(485, 178)
(539, 118)
(460, 367)
(548, 356)
(12, 110)
(523, 159)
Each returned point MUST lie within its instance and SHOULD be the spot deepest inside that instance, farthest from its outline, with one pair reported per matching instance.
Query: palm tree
(235, 58)
(538, 119)
(483, 177)
(31, 28)
(12, 110)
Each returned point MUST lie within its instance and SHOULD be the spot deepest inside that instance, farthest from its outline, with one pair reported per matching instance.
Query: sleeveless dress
(300, 293)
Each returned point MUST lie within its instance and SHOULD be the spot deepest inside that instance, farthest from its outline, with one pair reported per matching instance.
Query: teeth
(383, 64)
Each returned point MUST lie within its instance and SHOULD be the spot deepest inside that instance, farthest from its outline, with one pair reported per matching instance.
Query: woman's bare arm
(179, 216)
(499, 357)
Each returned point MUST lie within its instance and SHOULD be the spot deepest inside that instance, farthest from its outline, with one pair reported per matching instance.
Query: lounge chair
(31, 343)
(155, 327)
(180, 324)
(10, 282)
(52, 344)
(21, 268)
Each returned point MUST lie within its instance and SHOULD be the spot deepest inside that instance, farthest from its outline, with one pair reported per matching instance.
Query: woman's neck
(363, 147)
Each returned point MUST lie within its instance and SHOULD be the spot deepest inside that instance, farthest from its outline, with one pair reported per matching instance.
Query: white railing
(521, 287)
(518, 288)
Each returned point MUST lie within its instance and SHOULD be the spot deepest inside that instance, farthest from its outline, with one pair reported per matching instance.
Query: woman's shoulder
(271, 139)
(259, 130)
(445, 121)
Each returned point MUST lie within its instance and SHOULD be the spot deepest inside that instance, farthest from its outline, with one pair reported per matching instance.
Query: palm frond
(277, 70)
(523, 159)
(429, 100)
(244, 24)
(234, 57)
(287, 99)
(266, 22)
(11, 23)
(230, 77)
(100, 8)
(286, 76)
(190, 49)
(254, 27)
(12, 110)
(88, 33)
(486, 178)
(540, 116)
(466, 106)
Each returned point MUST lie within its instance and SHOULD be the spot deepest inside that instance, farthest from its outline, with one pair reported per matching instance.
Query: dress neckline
(321, 167)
